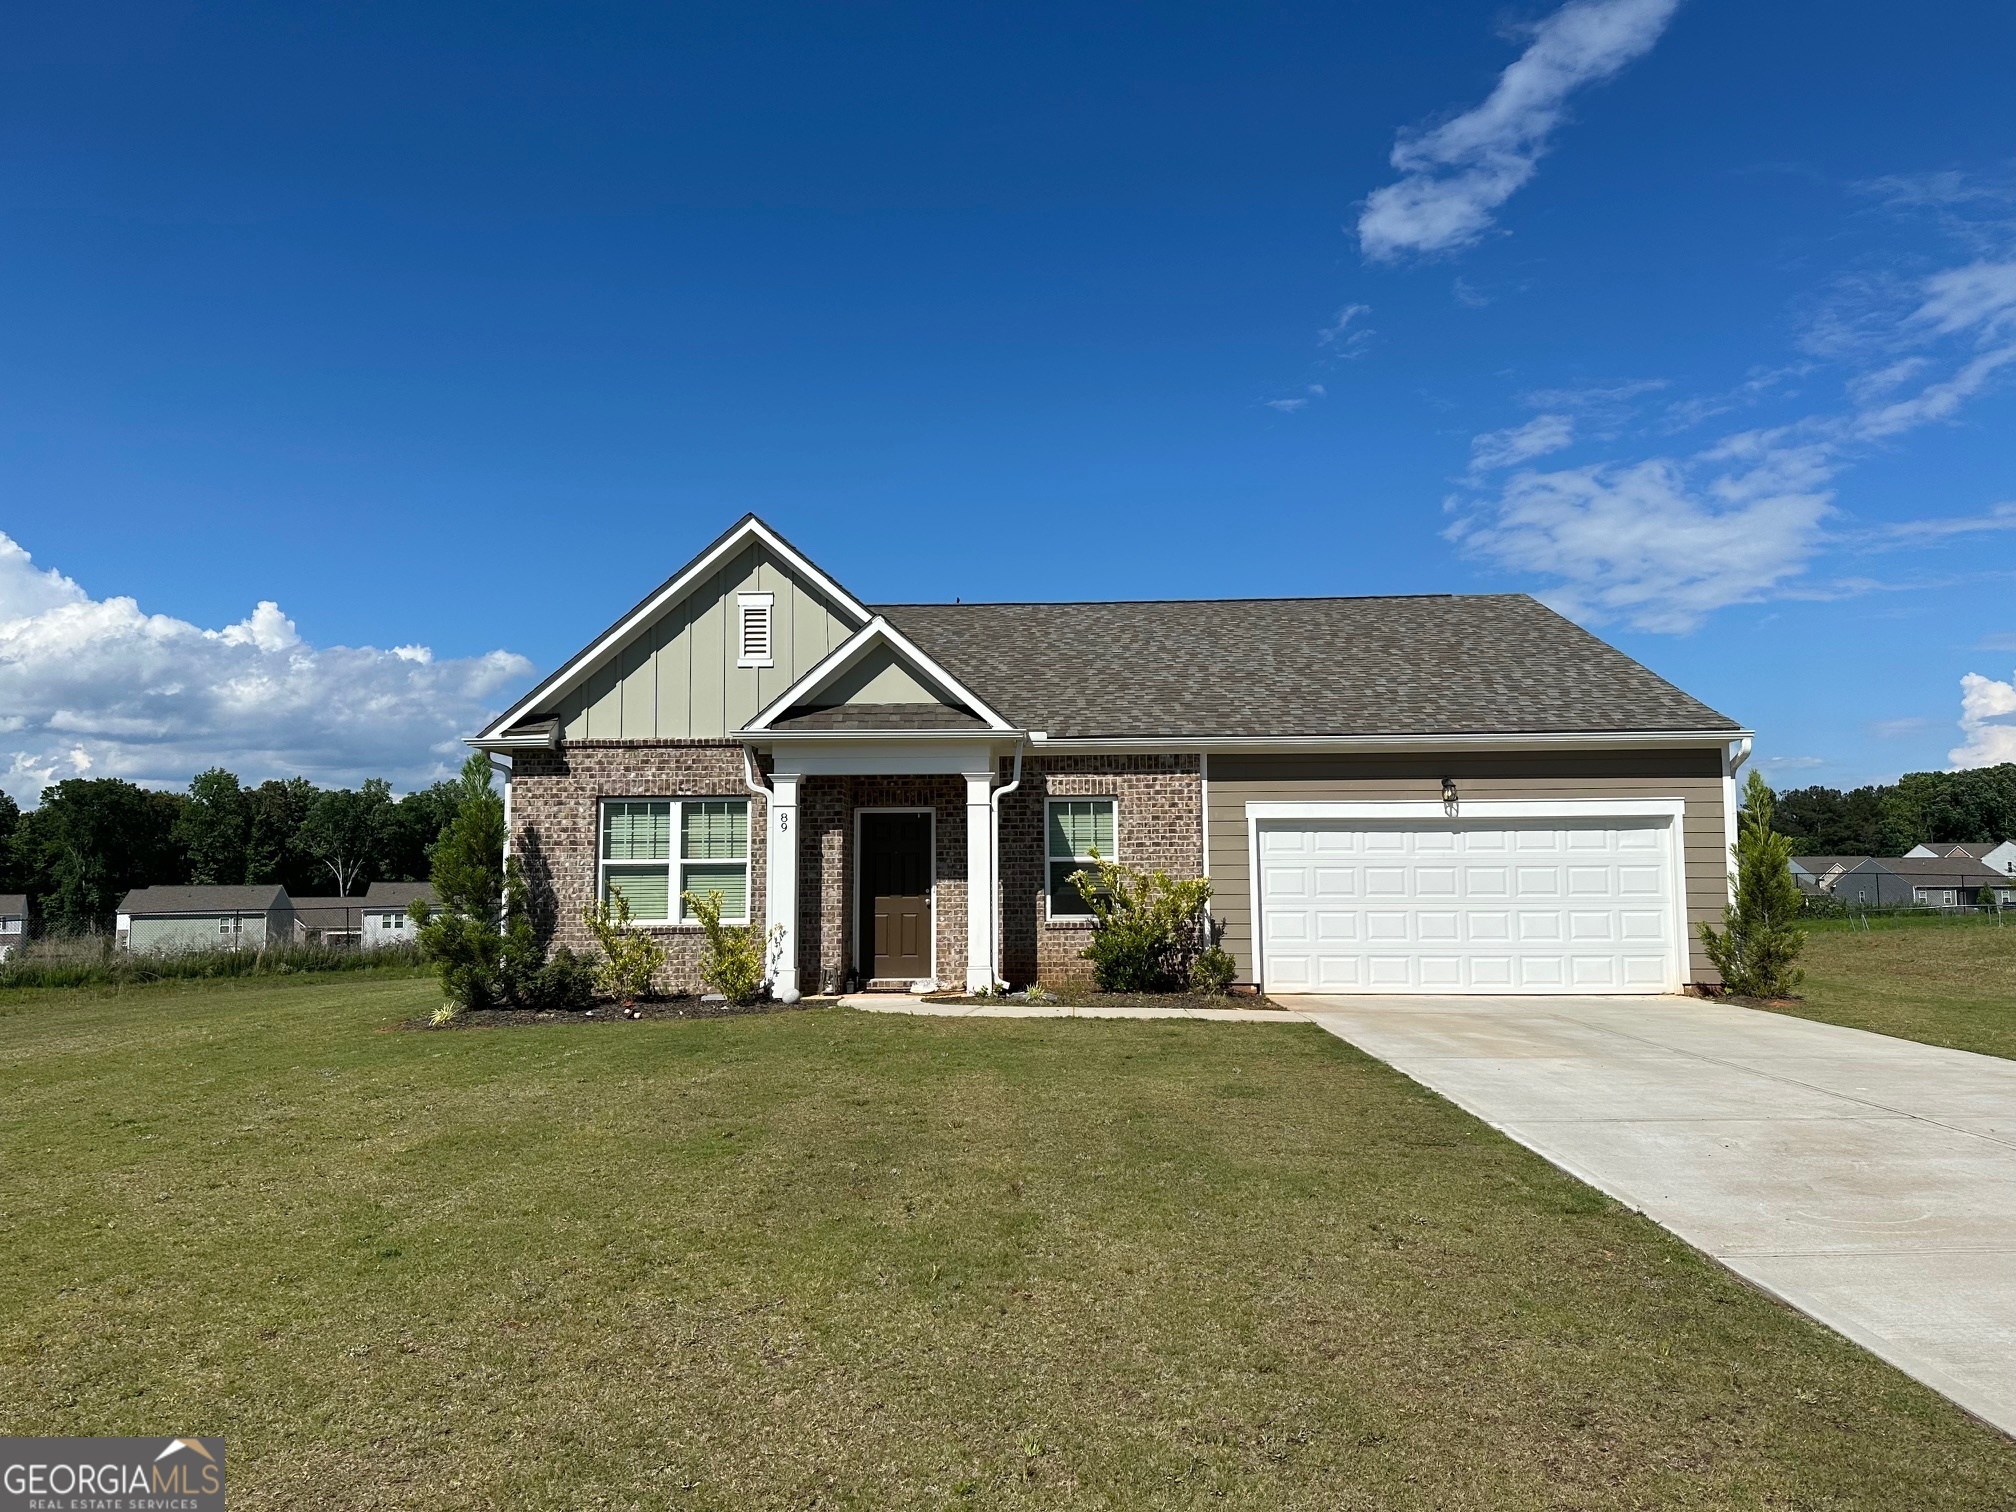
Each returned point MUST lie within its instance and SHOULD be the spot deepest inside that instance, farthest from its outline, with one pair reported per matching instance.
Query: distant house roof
(1819, 866)
(1972, 850)
(1437, 664)
(148, 902)
(329, 913)
(13, 905)
(383, 895)
(1937, 871)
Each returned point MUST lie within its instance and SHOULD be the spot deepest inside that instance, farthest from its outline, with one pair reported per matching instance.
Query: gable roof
(1440, 664)
(801, 698)
(328, 913)
(611, 642)
(13, 905)
(149, 901)
(1819, 866)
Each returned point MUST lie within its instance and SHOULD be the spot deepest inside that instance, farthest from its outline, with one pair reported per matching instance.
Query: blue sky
(449, 331)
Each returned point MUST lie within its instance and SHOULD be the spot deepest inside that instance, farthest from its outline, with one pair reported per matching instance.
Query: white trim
(744, 603)
(850, 650)
(931, 894)
(1473, 808)
(543, 736)
(676, 862)
(1672, 810)
(1261, 745)
(1050, 915)
(882, 758)
(570, 674)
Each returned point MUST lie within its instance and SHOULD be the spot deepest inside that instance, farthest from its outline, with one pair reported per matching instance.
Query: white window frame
(676, 863)
(763, 607)
(1050, 914)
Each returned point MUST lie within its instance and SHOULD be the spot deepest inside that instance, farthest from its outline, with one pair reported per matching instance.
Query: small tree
(631, 958)
(1148, 928)
(733, 963)
(1760, 938)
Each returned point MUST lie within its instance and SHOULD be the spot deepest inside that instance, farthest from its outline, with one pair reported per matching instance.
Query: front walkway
(1868, 1181)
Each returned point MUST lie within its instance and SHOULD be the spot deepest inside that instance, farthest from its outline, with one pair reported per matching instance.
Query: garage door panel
(1483, 906)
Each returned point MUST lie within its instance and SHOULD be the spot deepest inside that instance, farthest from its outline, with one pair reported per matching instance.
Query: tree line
(1920, 808)
(94, 839)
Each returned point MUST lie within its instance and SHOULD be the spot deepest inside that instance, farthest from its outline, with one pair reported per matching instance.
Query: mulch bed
(1069, 999)
(602, 1013)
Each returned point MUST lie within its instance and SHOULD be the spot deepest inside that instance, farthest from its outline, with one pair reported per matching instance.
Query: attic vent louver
(754, 638)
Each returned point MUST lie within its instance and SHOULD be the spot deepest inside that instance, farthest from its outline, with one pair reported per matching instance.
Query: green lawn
(1946, 981)
(828, 1259)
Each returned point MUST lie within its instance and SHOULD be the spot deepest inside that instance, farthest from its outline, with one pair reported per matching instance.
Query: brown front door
(896, 895)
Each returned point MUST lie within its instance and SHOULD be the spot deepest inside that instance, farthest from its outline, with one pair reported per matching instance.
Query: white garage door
(1519, 906)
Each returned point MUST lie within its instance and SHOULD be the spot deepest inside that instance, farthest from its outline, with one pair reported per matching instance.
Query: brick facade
(555, 799)
(1159, 821)
(555, 804)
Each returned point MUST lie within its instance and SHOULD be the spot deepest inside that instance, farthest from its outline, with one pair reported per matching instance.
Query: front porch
(882, 859)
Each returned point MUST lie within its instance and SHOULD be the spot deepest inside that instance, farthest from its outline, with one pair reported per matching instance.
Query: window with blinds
(754, 648)
(1080, 830)
(656, 850)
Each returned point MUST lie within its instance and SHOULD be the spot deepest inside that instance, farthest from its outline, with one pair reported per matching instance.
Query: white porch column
(980, 888)
(780, 887)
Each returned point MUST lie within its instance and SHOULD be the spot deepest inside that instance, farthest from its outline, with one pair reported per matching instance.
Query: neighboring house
(205, 918)
(1820, 873)
(1923, 881)
(329, 921)
(1995, 855)
(1415, 794)
(386, 921)
(13, 923)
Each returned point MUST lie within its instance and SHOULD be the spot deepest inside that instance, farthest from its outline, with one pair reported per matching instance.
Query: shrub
(631, 957)
(734, 963)
(1147, 926)
(565, 984)
(1212, 972)
(1760, 938)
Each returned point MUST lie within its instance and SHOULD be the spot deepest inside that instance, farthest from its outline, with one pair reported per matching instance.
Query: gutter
(994, 865)
(1482, 740)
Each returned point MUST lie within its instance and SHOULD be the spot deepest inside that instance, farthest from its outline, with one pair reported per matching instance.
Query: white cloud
(1799, 763)
(1985, 702)
(98, 686)
(1521, 443)
(1456, 175)
(1301, 401)
(1339, 335)
(1895, 729)
(1660, 544)
(1664, 541)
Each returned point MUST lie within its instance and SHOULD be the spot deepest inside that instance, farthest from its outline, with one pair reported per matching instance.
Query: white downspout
(504, 768)
(752, 776)
(994, 867)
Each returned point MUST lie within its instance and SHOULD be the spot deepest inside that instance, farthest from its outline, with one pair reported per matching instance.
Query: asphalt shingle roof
(384, 895)
(878, 717)
(1429, 665)
(202, 900)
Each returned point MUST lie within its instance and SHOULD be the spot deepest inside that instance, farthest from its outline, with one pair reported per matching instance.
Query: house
(205, 918)
(1995, 855)
(329, 921)
(1924, 881)
(13, 923)
(386, 921)
(1434, 793)
(1818, 874)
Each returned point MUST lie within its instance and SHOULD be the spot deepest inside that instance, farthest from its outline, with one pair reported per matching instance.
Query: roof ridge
(1306, 598)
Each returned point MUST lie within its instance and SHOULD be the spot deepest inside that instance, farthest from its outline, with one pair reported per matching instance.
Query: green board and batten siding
(679, 680)
(1694, 776)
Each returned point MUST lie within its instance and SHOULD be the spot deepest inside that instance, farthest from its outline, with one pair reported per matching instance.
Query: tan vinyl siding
(677, 679)
(1693, 776)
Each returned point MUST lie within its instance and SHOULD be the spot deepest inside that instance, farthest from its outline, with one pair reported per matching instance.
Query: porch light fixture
(1450, 802)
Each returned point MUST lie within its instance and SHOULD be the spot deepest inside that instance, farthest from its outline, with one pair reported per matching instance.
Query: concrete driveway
(1867, 1181)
